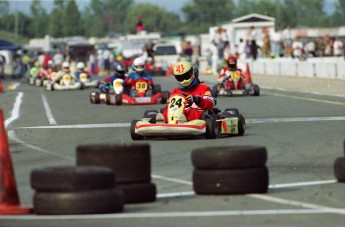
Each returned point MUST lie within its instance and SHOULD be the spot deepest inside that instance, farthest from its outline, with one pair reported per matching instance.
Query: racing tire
(228, 182)
(339, 169)
(92, 97)
(138, 192)
(97, 98)
(232, 110)
(157, 88)
(110, 99)
(230, 157)
(85, 202)
(150, 113)
(72, 178)
(82, 86)
(241, 125)
(211, 129)
(118, 99)
(256, 90)
(130, 163)
(165, 97)
(134, 135)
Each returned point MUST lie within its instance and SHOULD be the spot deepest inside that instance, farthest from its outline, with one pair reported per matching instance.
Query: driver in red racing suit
(225, 73)
(198, 95)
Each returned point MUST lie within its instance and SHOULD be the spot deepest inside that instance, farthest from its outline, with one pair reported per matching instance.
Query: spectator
(228, 52)
(287, 39)
(214, 57)
(297, 47)
(106, 61)
(140, 25)
(310, 49)
(220, 39)
(338, 47)
(188, 51)
(2, 67)
(266, 47)
(329, 47)
(275, 43)
(58, 59)
(92, 63)
(251, 37)
(321, 47)
(242, 49)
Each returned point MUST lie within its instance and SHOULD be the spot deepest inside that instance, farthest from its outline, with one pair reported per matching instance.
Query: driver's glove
(195, 99)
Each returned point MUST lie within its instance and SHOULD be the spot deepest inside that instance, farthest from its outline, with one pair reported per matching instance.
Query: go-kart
(234, 86)
(141, 96)
(65, 83)
(86, 82)
(212, 125)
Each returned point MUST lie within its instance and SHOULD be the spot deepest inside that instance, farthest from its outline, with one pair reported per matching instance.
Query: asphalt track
(302, 127)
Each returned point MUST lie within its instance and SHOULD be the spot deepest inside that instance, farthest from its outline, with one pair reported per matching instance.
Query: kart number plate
(143, 99)
(83, 76)
(118, 84)
(237, 92)
(66, 77)
(141, 86)
(235, 75)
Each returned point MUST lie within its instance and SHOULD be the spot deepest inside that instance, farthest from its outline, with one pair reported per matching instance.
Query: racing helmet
(65, 65)
(232, 63)
(138, 65)
(184, 73)
(120, 70)
(80, 65)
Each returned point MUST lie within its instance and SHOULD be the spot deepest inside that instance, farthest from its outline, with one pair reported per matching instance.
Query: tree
(201, 14)
(71, 20)
(155, 19)
(39, 22)
(55, 24)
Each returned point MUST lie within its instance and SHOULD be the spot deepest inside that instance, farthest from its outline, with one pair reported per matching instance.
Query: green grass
(11, 37)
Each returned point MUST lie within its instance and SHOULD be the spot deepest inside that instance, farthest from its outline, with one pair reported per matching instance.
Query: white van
(166, 55)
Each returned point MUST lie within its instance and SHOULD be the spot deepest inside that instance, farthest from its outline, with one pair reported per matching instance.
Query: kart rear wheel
(92, 97)
(241, 124)
(256, 90)
(118, 99)
(232, 110)
(110, 99)
(165, 97)
(97, 98)
(134, 135)
(211, 129)
(339, 169)
(150, 113)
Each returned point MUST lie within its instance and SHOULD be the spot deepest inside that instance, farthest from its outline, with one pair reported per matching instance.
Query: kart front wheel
(211, 129)
(134, 135)
(118, 99)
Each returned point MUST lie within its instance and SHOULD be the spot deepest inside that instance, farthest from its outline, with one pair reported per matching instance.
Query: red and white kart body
(234, 85)
(141, 96)
(209, 127)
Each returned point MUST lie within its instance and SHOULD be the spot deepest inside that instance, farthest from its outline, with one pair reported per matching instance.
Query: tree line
(103, 17)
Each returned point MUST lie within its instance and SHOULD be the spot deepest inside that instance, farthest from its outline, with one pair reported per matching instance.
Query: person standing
(275, 43)
(287, 39)
(140, 25)
(338, 47)
(251, 36)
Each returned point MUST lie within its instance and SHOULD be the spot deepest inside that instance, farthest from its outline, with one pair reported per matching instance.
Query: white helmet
(65, 64)
(139, 65)
(80, 65)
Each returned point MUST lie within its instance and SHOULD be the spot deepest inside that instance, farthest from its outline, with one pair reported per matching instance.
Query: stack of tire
(75, 190)
(230, 170)
(339, 168)
(131, 165)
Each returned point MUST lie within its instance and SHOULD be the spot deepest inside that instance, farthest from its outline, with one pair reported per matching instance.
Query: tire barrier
(339, 167)
(230, 170)
(75, 190)
(131, 165)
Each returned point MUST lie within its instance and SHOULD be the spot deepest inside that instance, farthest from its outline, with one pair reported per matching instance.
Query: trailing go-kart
(66, 83)
(233, 86)
(213, 124)
(142, 95)
(86, 82)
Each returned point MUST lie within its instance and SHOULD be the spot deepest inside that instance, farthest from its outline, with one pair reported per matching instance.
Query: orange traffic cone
(169, 71)
(0, 86)
(248, 75)
(9, 199)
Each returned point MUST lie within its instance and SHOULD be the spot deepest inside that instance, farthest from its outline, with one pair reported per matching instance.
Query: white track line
(12, 135)
(303, 92)
(15, 110)
(291, 185)
(48, 110)
(299, 119)
(167, 214)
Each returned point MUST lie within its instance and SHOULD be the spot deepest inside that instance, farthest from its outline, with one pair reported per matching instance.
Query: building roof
(253, 18)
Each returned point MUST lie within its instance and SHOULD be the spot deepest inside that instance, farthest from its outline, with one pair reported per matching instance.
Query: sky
(169, 5)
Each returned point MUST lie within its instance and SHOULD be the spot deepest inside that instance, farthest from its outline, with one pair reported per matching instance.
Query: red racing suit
(194, 111)
(225, 74)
